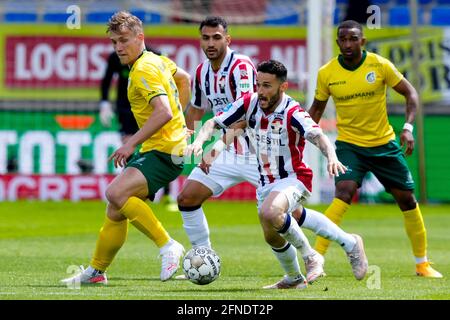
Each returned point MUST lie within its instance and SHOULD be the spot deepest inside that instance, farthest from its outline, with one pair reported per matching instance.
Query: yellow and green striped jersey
(359, 94)
(151, 76)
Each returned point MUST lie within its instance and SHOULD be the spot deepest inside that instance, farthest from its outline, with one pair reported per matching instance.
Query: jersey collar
(142, 53)
(352, 68)
(225, 63)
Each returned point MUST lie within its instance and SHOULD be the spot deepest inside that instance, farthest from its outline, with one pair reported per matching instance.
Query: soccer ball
(201, 265)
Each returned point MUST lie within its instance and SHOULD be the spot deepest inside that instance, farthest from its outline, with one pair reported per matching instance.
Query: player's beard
(272, 102)
(215, 55)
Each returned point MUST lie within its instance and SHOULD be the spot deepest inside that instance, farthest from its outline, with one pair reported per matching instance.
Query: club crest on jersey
(370, 77)
(221, 84)
(277, 125)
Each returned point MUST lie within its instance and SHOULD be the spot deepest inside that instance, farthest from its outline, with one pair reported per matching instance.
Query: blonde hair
(123, 19)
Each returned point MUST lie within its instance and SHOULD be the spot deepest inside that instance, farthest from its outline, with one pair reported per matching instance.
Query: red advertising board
(86, 187)
(73, 62)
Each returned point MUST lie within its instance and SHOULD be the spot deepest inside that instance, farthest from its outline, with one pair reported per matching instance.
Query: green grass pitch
(41, 241)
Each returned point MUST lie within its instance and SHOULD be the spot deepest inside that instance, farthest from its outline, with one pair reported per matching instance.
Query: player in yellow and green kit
(357, 82)
(154, 101)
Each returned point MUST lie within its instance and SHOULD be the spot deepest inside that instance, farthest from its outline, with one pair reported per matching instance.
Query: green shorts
(159, 168)
(386, 162)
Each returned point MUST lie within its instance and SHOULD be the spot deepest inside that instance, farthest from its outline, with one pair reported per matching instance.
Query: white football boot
(86, 276)
(170, 260)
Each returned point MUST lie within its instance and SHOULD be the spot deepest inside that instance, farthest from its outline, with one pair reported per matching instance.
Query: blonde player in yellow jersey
(154, 101)
(357, 81)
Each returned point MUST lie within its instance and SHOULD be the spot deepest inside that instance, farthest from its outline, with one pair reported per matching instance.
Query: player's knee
(188, 199)
(271, 215)
(407, 203)
(344, 194)
(115, 196)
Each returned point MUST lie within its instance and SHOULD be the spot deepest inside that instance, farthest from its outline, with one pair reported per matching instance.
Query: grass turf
(42, 241)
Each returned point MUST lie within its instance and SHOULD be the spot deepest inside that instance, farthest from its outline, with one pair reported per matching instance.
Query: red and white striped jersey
(278, 137)
(214, 91)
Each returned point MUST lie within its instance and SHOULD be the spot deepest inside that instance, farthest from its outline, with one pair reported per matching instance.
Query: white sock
(324, 227)
(196, 227)
(295, 236)
(287, 257)
(421, 259)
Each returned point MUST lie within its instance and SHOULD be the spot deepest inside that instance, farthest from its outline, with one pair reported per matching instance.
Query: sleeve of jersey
(302, 123)
(170, 64)
(234, 113)
(392, 75)
(198, 99)
(151, 83)
(322, 93)
(244, 76)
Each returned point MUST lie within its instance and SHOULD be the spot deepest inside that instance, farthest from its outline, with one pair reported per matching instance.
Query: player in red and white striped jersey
(277, 127)
(222, 78)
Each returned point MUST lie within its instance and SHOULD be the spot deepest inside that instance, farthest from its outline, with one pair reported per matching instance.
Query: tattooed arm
(321, 141)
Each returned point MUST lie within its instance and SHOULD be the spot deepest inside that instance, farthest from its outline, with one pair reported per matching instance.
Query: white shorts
(294, 190)
(226, 171)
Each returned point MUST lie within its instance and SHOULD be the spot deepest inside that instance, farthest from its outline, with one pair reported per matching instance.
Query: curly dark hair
(273, 67)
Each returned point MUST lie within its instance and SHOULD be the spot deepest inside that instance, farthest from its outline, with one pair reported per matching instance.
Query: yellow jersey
(151, 76)
(359, 94)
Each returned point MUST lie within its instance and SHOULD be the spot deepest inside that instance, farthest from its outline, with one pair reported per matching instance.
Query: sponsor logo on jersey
(244, 85)
(337, 83)
(227, 107)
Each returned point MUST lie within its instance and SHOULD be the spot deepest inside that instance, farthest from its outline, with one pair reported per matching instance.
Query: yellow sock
(334, 212)
(415, 228)
(110, 239)
(143, 218)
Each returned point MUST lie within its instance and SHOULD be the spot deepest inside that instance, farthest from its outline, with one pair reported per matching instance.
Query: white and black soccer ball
(201, 265)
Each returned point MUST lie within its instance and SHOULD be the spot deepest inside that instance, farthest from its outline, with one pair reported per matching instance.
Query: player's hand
(407, 141)
(207, 160)
(121, 155)
(106, 113)
(335, 167)
(204, 165)
(193, 149)
(189, 133)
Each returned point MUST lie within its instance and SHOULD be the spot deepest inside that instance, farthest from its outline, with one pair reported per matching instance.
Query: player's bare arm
(317, 109)
(205, 134)
(183, 82)
(321, 141)
(406, 89)
(192, 115)
(160, 116)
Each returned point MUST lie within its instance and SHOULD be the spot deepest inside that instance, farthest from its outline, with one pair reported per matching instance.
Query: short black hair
(349, 24)
(273, 67)
(214, 21)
